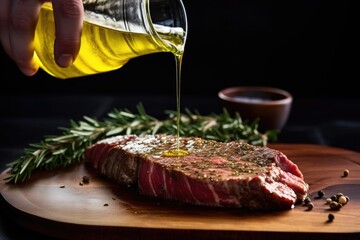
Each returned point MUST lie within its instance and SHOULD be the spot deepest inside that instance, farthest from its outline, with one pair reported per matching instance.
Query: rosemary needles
(68, 147)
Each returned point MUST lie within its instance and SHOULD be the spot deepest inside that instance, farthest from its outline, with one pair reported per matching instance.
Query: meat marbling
(233, 174)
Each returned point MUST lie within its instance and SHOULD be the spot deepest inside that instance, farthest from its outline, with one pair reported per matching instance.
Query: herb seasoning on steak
(233, 174)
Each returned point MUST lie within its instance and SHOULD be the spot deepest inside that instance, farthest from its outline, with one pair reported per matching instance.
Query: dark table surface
(27, 119)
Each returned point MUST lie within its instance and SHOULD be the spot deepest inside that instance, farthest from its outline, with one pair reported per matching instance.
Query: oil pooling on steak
(218, 174)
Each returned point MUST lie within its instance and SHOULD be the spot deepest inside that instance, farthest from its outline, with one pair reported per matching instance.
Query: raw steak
(218, 174)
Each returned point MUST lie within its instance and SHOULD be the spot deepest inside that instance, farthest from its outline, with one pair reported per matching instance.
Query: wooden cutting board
(55, 204)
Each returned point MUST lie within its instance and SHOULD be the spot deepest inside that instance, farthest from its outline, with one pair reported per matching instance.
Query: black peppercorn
(321, 193)
(307, 200)
(334, 198)
(310, 205)
(85, 179)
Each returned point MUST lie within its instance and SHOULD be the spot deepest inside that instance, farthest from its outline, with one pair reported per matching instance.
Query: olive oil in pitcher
(114, 31)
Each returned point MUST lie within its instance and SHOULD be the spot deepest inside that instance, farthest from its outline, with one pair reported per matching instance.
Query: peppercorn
(333, 198)
(307, 200)
(346, 173)
(338, 195)
(85, 179)
(342, 200)
(310, 205)
(335, 205)
(321, 193)
(331, 217)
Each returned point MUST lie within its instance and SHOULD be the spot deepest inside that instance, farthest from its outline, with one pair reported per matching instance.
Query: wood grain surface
(55, 204)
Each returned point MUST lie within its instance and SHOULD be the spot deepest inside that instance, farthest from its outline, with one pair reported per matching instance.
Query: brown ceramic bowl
(271, 106)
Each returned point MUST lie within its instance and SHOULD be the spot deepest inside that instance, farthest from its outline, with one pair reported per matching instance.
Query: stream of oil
(178, 152)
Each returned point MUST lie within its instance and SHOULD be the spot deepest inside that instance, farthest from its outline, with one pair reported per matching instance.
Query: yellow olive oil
(176, 153)
(103, 47)
(106, 47)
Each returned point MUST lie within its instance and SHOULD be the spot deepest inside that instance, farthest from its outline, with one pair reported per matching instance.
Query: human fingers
(4, 25)
(68, 16)
(21, 30)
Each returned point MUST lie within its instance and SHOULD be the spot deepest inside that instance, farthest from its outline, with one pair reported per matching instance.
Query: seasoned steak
(210, 173)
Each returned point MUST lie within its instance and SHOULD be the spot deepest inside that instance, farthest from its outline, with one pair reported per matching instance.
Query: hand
(18, 19)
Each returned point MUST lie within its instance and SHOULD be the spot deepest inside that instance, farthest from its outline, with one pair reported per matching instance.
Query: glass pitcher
(114, 31)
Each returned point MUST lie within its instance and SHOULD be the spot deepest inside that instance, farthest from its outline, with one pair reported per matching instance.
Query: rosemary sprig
(68, 148)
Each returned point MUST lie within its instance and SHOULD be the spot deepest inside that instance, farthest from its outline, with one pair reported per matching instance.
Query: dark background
(305, 47)
(308, 48)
